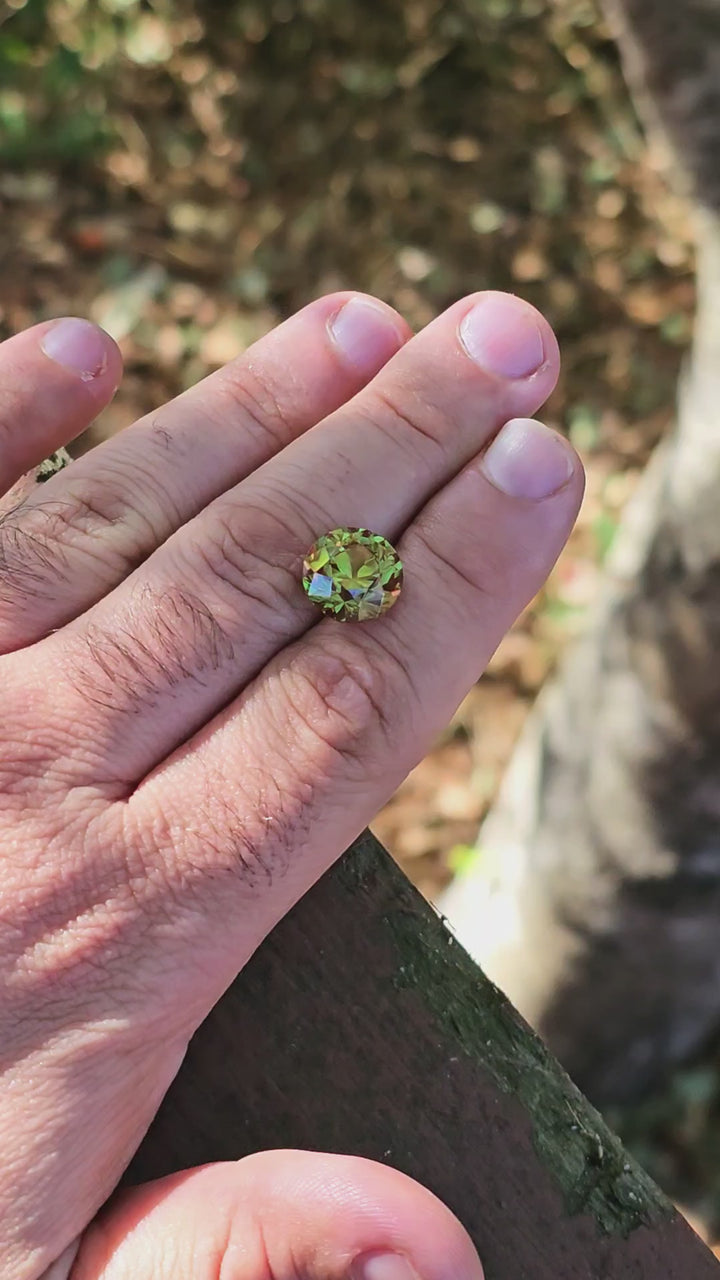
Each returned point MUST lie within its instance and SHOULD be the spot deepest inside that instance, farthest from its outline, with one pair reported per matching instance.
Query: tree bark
(361, 1026)
(671, 55)
(599, 908)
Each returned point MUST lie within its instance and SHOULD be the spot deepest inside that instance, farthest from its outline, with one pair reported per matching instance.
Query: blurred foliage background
(190, 173)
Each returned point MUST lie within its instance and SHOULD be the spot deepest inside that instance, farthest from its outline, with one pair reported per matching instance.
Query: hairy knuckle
(175, 637)
(36, 535)
(31, 559)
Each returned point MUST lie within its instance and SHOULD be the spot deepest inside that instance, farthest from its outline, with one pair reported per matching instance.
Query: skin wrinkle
(346, 746)
(37, 536)
(370, 648)
(247, 568)
(279, 808)
(224, 819)
(98, 935)
(373, 679)
(310, 703)
(269, 514)
(383, 404)
(97, 872)
(92, 514)
(257, 403)
(34, 755)
(114, 501)
(450, 568)
(402, 445)
(261, 1254)
(299, 528)
(136, 669)
(16, 780)
(94, 904)
(52, 763)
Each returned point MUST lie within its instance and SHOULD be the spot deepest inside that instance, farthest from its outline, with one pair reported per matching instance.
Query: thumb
(278, 1215)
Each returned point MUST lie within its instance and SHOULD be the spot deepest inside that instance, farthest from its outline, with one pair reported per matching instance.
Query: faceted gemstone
(353, 574)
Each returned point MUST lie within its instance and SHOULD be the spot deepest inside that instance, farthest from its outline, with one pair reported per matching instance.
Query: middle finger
(190, 628)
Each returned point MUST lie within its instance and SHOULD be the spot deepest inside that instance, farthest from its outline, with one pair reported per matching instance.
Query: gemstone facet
(352, 574)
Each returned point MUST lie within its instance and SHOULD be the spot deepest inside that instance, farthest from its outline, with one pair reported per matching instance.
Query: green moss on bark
(592, 1169)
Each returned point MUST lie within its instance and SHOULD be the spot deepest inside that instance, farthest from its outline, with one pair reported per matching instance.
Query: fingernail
(77, 345)
(502, 336)
(527, 460)
(383, 1266)
(365, 333)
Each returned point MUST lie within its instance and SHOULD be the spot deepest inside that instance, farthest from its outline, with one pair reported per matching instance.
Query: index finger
(54, 380)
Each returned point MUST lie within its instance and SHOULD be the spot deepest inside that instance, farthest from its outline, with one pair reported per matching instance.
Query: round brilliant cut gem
(352, 574)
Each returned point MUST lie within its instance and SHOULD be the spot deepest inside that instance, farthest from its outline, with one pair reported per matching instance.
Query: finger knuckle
(250, 556)
(37, 536)
(457, 565)
(258, 403)
(174, 637)
(405, 414)
(117, 498)
(340, 697)
(31, 557)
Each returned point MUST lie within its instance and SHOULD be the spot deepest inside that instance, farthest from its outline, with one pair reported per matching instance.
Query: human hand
(186, 747)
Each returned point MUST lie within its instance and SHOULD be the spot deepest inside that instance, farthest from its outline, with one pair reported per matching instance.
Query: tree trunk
(361, 1026)
(597, 907)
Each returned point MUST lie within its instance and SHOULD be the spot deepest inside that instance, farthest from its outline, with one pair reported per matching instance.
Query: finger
(348, 710)
(113, 507)
(54, 380)
(276, 1216)
(192, 627)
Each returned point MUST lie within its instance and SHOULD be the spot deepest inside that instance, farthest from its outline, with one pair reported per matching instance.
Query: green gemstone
(353, 574)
